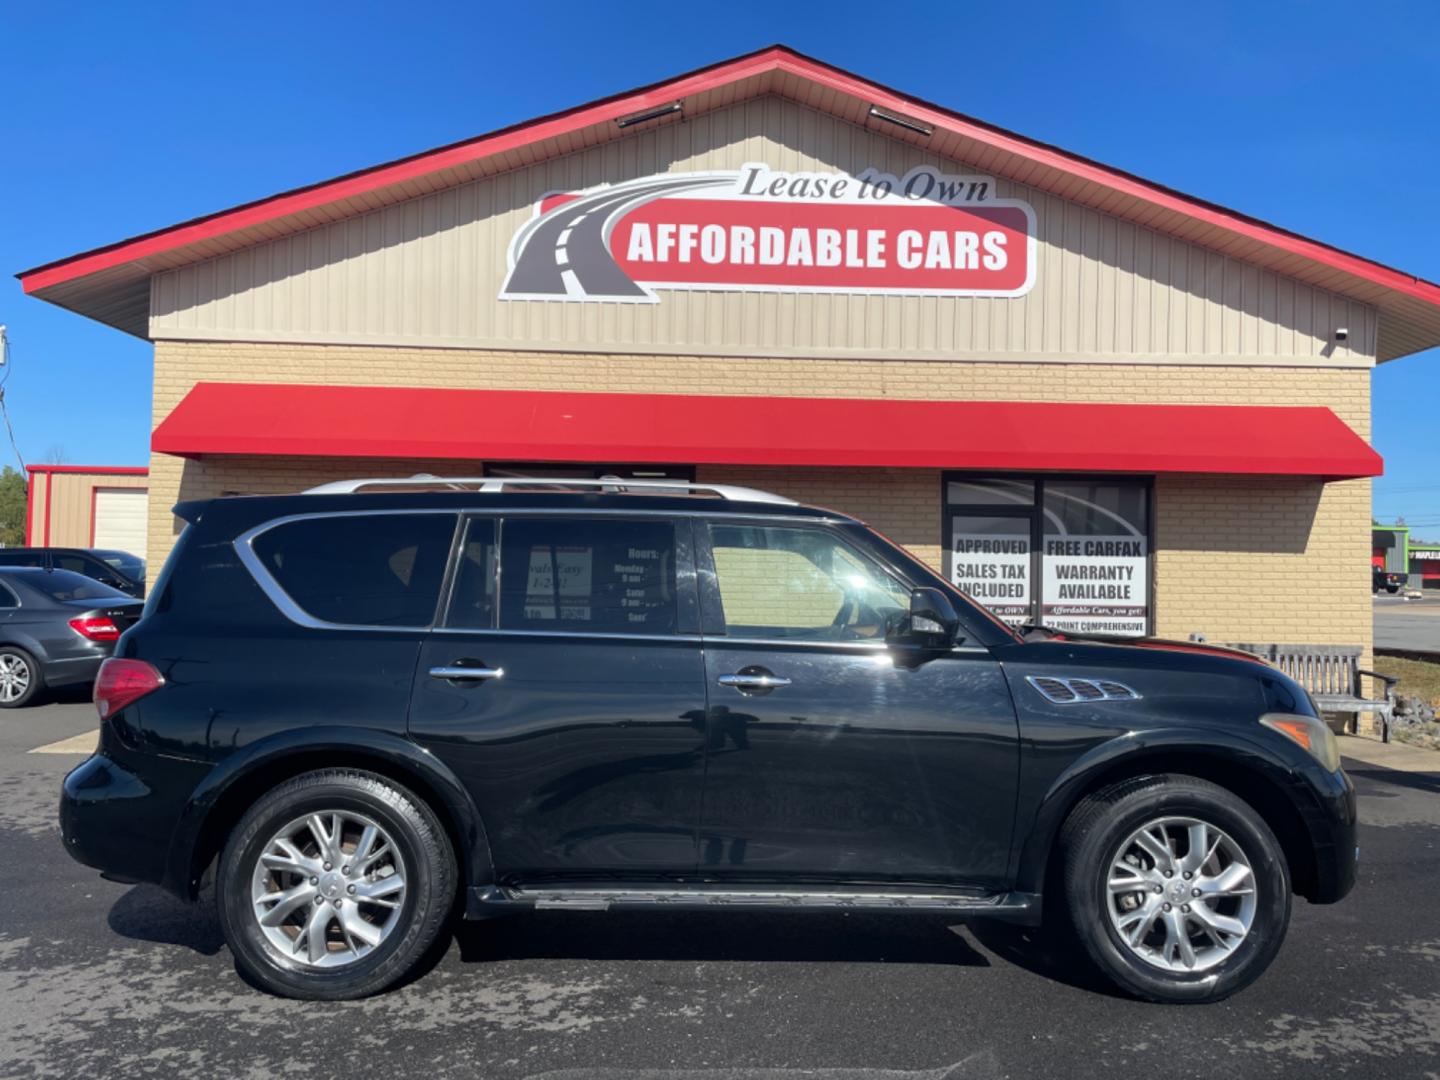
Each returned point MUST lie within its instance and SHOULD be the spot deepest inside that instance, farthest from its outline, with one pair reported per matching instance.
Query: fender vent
(1054, 689)
(1065, 691)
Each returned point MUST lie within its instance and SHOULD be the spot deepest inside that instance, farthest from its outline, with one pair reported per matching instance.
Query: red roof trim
(776, 58)
(349, 185)
(97, 470)
(523, 425)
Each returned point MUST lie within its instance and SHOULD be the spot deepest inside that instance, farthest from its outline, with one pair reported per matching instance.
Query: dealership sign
(926, 233)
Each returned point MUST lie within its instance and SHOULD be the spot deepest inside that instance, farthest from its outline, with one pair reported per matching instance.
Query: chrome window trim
(245, 551)
(244, 548)
(603, 634)
(706, 639)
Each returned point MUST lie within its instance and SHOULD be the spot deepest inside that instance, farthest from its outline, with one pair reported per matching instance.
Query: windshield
(132, 566)
(68, 585)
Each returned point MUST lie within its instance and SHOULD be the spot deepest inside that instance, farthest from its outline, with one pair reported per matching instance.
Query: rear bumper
(109, 820)
(73, 670)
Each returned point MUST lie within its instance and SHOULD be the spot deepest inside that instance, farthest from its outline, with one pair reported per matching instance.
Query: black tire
(37, 678)
(423, 912)
(1090, 842)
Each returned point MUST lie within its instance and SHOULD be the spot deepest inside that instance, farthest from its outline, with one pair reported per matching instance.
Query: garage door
(120, 519)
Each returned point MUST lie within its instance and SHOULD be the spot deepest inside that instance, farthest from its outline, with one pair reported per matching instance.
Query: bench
(1332, 674)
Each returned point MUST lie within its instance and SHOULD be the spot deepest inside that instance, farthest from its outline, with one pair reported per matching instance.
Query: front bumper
(1333, 825)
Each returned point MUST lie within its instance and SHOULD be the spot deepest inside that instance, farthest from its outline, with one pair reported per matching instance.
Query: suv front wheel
(1177, 889)
(335, 885)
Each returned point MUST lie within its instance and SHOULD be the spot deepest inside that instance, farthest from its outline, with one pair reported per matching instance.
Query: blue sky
(122, 118)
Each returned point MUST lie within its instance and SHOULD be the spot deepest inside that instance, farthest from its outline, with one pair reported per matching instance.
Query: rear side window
(361, 569)
(16, 558)
(587, 574)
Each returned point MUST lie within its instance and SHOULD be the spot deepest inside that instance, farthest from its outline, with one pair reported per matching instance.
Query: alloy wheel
(328, 888)
(1181, 894)
(14, 677)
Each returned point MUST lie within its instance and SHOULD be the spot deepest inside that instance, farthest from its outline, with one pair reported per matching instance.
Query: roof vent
(905, 122)
(648, 114)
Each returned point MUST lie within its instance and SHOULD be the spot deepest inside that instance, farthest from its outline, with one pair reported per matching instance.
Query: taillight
(96, 628)
(121, 682)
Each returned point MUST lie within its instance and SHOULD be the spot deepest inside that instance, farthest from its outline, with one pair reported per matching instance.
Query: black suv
(364, 706)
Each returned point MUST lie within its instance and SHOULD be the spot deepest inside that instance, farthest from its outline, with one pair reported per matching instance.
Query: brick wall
(1239, 559)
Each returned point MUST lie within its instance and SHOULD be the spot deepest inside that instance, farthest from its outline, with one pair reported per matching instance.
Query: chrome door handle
(466, 674)
(753, 682)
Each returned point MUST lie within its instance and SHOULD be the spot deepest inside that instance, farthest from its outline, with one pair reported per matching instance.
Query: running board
(494, 900)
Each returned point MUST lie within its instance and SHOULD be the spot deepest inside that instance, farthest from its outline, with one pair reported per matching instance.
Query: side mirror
(933, 620)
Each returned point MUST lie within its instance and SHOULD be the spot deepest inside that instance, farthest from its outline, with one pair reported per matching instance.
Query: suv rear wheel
(1177, 889)
(335, 885)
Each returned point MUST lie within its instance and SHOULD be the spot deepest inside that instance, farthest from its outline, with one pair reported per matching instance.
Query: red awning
(525, 425)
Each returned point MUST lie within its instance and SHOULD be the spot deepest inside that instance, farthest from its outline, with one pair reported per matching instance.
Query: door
(565, 688)
(121, 519)
(833, 757)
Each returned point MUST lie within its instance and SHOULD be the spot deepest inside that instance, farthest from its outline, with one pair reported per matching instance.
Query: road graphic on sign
(565, 252)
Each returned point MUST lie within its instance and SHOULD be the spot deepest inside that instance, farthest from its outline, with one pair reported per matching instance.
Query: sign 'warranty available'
(926, 233)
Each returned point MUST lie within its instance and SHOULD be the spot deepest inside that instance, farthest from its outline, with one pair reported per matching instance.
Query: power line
(4, 409)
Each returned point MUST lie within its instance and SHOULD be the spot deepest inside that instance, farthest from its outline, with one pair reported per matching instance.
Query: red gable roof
(91, 282)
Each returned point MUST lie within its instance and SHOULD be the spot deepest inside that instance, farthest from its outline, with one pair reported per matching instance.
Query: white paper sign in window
(1095, 558)
(990, 563)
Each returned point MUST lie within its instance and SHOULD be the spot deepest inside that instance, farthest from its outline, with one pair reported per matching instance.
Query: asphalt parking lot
(100, 979)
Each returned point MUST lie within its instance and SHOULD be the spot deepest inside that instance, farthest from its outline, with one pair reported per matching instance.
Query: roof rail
(497, 484)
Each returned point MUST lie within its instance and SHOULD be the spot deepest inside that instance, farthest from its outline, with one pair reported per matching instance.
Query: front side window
(91, 568)
(592, 575)
(361, 569)
(805, 584)
(131, 566)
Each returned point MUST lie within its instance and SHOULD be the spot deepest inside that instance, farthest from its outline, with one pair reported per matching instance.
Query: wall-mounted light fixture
(648, 114)
(901, 121)
(1341, 333)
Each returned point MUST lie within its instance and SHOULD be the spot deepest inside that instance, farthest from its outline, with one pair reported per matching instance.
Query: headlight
(1311, 733)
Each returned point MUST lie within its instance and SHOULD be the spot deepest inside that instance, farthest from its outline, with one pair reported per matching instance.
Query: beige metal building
(83, 506)
(1089, 399)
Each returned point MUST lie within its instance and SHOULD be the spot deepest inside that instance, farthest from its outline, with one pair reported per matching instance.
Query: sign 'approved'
(926, 233)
